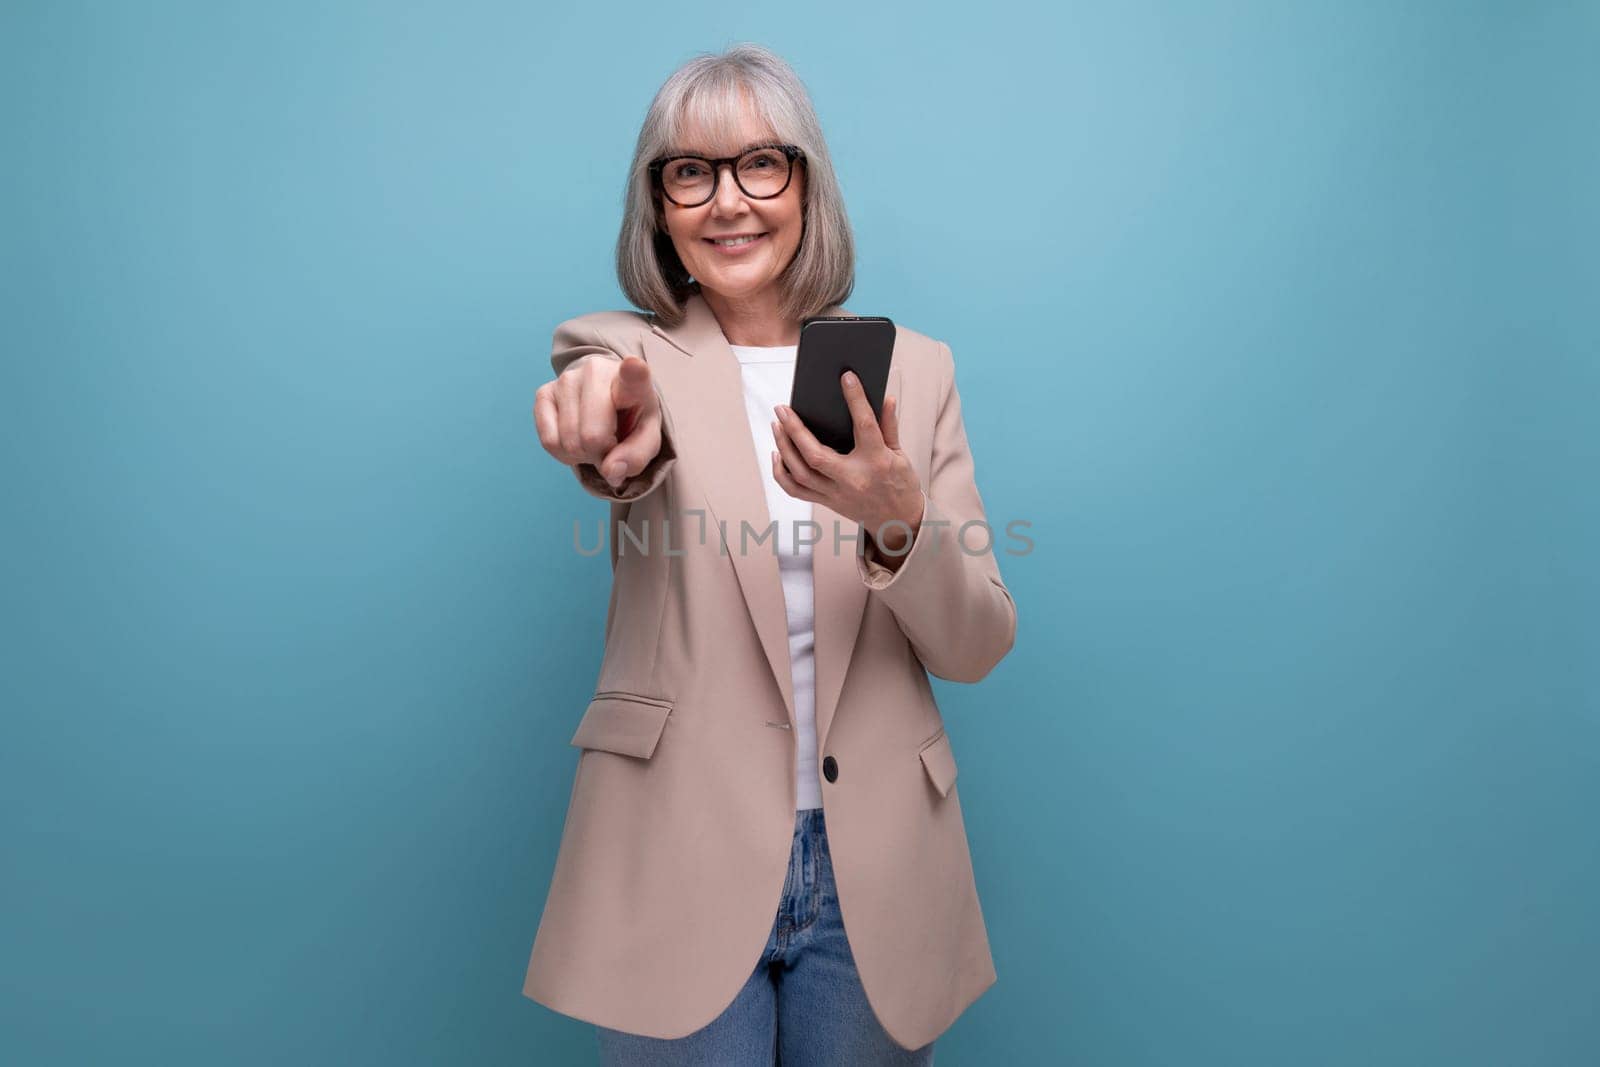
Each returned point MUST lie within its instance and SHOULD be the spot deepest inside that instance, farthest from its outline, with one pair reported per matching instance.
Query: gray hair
(707, 94)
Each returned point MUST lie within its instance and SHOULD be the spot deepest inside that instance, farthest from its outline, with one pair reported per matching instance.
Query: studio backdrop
(1272, 322)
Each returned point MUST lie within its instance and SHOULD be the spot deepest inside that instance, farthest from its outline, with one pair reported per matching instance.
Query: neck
(752, 321)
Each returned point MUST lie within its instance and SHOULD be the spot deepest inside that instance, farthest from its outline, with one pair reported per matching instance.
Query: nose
(729, 195)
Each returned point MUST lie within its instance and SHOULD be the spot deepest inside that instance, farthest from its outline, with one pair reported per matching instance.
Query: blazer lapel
(706, 392)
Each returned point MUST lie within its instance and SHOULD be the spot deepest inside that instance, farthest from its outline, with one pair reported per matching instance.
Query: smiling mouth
(740, 243)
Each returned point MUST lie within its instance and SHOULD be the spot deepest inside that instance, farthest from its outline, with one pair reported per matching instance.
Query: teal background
(1270, 318)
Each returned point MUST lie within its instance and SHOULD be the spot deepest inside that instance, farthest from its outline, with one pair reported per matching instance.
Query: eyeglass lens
(761, 173)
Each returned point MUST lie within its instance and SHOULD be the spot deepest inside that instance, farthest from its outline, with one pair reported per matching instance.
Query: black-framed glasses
(762, 172)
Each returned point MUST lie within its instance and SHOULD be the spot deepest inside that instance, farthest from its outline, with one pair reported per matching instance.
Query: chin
(735, 284)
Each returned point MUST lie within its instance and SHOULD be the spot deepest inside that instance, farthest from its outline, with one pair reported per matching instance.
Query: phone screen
(828, 348)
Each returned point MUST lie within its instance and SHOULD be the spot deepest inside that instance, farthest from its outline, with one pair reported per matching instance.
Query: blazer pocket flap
(940, 763)
(625, 723)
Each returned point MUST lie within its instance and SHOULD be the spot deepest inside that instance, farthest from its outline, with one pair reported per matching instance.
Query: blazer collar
(699, 331)
(706, 397)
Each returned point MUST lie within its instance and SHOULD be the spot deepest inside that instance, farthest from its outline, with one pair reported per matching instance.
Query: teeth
(736, 241)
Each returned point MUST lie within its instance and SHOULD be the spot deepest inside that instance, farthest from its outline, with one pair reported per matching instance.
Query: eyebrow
(742, 150)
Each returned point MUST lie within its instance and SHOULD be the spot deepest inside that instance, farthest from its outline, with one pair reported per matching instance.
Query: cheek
(793, 224)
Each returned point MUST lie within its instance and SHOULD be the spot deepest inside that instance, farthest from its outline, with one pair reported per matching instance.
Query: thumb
(634, 452)
(891, 422)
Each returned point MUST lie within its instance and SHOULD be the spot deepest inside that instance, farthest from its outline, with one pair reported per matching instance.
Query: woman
(698, 908)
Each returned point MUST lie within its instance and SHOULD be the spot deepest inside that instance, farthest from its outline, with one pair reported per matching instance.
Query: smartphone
(829, 346)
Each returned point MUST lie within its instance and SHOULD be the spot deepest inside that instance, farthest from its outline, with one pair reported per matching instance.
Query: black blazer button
(830, 768)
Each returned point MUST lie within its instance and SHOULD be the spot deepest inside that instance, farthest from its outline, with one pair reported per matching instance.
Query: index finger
(631, 387)
(619, 408)
(818, 456)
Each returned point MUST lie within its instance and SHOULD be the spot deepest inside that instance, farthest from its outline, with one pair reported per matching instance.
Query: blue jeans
(803, 1005)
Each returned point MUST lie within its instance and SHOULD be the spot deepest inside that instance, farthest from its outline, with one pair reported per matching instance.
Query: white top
(768, 375)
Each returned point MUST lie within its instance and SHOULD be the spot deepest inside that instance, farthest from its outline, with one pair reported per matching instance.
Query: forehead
(719, 124)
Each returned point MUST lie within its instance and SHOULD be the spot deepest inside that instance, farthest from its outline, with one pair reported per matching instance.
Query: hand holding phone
(872, 482)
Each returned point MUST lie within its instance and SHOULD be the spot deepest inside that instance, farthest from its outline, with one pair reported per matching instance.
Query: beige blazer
(676, 841)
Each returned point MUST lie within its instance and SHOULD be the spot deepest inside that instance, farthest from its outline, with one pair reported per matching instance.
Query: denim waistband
(809, 821)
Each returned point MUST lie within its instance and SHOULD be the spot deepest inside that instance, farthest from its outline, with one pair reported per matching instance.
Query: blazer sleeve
(574, 341)
(949, 599)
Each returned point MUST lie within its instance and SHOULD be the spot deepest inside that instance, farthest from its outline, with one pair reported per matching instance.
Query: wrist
(893, 532)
